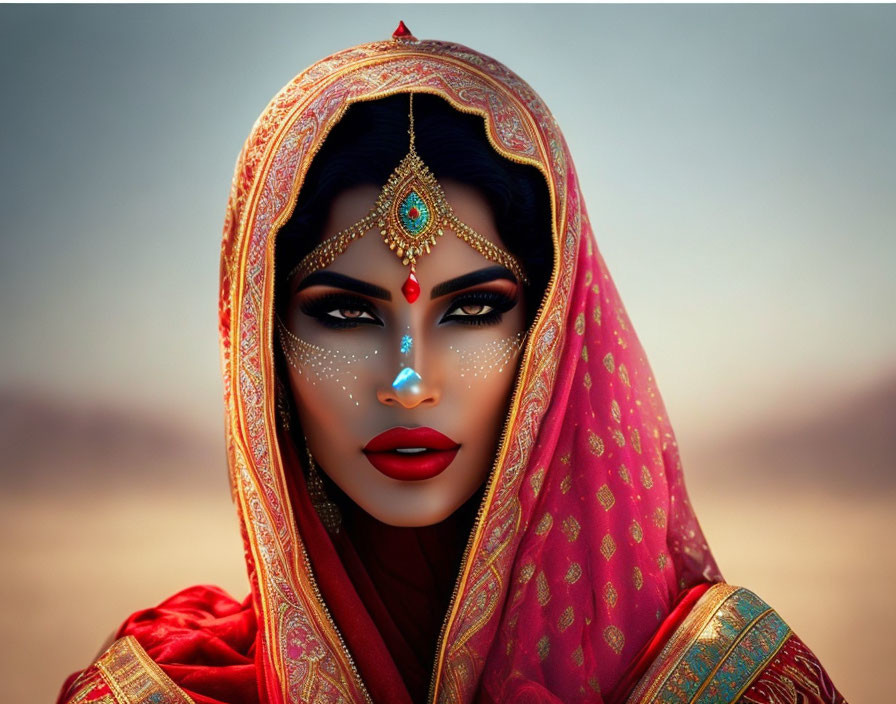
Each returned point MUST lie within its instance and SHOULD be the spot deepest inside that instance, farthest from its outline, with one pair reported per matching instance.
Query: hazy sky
(738, 162)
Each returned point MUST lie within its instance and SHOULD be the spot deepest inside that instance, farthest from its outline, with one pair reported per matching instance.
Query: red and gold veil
(585, 540)
(585, 535)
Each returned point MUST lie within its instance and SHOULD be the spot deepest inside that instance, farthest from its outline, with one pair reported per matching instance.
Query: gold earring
(327, 510)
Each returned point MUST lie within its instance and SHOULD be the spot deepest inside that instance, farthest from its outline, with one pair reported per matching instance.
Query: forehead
(370, 259)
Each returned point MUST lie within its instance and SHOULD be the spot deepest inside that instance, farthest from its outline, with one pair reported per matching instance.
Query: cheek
(477, 364)
(483, 381)
(327, 381)
(327, 387)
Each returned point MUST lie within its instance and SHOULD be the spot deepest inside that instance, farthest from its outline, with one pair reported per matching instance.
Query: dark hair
(372, 137)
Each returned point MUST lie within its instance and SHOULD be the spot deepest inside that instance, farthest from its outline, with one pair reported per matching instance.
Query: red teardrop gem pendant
(410, 288)
(401, 31)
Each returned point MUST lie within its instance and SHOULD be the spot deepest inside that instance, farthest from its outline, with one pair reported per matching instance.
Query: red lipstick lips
(411, 454)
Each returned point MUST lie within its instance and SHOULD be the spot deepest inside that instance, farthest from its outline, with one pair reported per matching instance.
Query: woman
(454, 473)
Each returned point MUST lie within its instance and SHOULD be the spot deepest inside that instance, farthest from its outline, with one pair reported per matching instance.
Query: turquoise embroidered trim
(730, 651)
(747, 660)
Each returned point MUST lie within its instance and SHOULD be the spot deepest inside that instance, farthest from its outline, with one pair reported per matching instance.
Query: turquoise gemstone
(414, 214)
(407, 381)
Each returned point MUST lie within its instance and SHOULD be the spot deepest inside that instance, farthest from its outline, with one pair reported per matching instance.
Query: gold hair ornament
(410, 213)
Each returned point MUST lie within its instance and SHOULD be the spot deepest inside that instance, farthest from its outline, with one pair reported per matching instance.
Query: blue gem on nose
(407, 381)
(406, 343)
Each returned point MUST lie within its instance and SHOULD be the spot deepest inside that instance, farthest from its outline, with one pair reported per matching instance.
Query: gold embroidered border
(134, 678)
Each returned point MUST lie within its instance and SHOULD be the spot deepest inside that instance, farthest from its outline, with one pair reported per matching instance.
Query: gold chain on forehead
(410, 213)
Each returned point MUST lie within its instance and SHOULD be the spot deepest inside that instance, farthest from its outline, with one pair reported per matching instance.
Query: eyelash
(500, 303)
(320, 307)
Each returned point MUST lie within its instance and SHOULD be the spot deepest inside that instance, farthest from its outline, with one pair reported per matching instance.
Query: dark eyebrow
(331, 278)
(474, 277)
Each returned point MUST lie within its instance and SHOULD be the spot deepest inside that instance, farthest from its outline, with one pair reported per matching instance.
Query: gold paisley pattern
(596, 444)
(566, 619)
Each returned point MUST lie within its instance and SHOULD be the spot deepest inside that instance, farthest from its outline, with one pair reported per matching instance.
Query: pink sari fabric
(608, 537)
(585, 536)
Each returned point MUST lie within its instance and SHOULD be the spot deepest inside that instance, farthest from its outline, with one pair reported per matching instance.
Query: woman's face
(364, 361)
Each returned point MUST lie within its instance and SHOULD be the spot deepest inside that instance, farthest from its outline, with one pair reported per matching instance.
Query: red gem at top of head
(413, 213)
(410, 288)
(402, 31)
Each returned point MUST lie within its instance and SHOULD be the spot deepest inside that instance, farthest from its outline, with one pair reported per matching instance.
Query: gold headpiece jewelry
(410, 213)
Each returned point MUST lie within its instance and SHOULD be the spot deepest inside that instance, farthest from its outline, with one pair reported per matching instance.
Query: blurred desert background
(739, 165)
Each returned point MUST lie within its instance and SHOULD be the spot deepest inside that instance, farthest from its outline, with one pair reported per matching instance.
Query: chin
(416, 511)
(412, 516)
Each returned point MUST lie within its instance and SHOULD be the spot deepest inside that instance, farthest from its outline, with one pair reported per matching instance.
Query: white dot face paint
(491, 358)
(321, 365)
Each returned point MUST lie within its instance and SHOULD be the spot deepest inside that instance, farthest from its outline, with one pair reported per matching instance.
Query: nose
(409, 388)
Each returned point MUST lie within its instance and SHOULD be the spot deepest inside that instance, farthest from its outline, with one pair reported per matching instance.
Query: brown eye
(349, 314)
(473, 309)
(479, 308)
